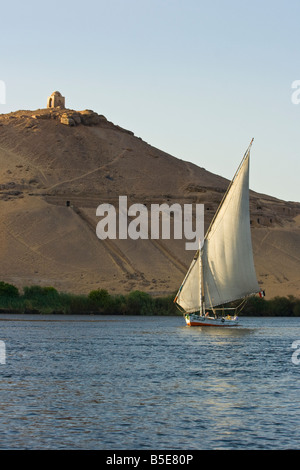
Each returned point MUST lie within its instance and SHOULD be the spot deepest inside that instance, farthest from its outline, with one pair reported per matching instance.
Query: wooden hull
(197, 320)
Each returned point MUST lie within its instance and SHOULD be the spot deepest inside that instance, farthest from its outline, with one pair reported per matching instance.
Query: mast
(200, 278)
(201, 285)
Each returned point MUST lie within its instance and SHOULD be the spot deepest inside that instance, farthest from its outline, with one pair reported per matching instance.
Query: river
(118, 382)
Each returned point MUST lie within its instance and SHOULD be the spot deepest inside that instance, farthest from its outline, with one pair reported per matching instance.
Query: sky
(196, 79)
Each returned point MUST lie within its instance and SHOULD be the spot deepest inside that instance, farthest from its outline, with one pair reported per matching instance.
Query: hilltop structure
(56, 100)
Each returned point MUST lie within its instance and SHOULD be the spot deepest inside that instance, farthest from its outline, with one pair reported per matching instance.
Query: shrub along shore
(46, 300)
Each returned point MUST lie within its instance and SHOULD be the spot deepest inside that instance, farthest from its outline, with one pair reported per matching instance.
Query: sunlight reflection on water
(149, 382)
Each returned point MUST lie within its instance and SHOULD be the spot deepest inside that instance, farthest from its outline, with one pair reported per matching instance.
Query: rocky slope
(58, 165)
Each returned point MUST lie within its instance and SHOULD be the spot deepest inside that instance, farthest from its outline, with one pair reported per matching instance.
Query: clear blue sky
(197, 79)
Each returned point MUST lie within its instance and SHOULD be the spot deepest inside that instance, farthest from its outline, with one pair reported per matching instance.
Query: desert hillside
(58, 165)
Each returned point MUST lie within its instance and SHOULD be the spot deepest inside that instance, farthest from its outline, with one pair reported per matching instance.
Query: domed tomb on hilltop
(56, 100)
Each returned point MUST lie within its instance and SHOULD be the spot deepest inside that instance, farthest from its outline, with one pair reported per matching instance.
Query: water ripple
(148, 384)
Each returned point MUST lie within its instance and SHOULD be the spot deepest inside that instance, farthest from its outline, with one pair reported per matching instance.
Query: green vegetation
(8, 290)
(37, 299)
(276, 307)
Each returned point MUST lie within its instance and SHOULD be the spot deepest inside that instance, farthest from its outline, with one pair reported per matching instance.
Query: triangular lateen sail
(227, 260)
(188, 296)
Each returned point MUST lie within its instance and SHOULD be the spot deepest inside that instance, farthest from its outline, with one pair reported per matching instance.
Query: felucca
(222, 270)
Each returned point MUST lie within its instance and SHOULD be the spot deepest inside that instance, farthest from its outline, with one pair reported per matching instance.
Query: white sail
(188, 296)
(228, 267)
(227, 261)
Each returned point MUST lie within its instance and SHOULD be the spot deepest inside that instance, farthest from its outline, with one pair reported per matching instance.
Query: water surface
(100, 382)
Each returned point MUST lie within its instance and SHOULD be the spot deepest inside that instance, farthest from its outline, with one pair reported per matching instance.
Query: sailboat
(222, 270)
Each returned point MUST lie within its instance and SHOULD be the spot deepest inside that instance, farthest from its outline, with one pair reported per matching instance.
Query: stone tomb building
(56, 100)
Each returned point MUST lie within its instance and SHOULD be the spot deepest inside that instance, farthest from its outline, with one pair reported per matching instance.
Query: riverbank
(47, 300)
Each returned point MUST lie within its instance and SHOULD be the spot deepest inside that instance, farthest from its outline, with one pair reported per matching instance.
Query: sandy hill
(51, 156)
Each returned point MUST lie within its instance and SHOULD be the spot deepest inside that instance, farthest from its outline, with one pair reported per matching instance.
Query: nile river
(93, 382)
